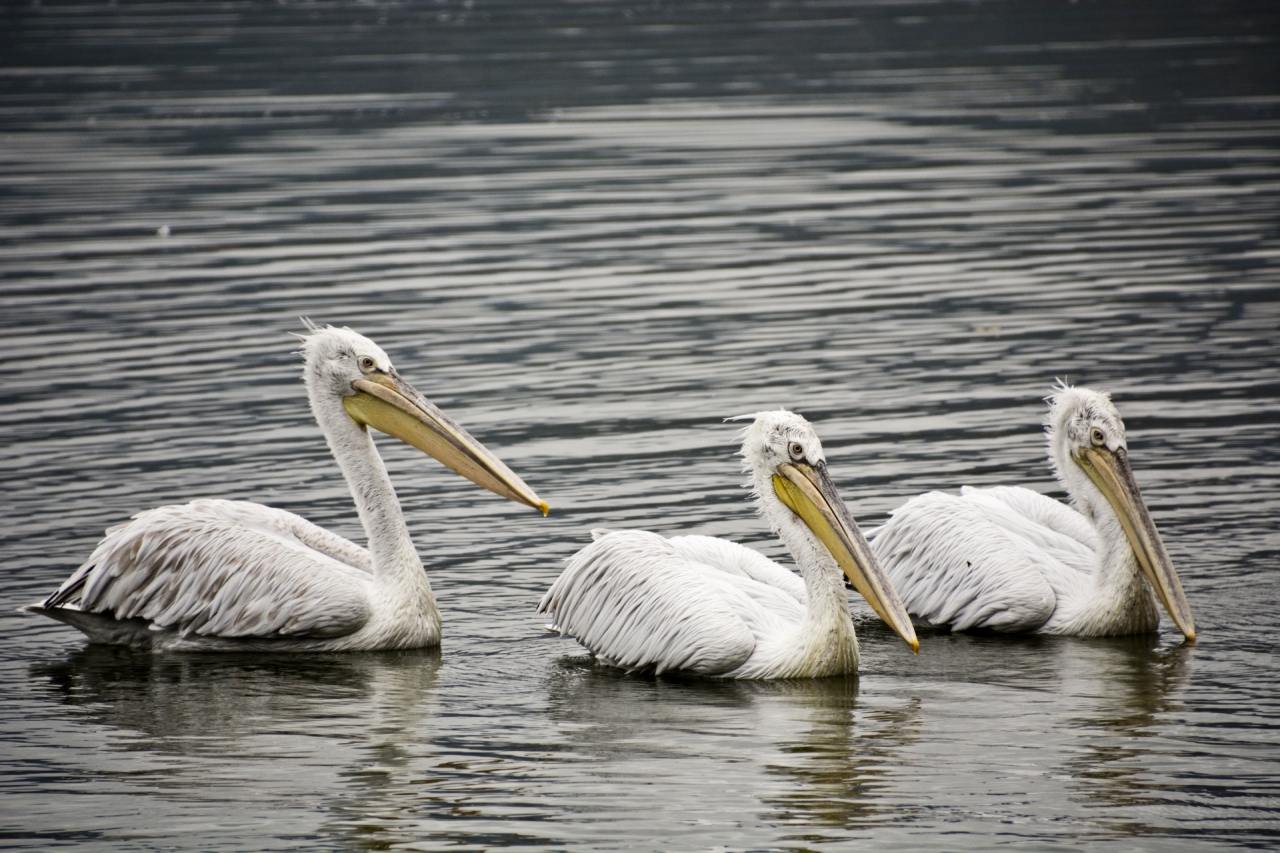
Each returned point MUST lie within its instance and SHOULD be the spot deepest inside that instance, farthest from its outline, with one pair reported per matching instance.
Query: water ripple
(591, 232)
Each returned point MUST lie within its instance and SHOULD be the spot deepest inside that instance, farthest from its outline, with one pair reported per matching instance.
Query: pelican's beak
(1111, 473)
(387, 403)
(809, 493)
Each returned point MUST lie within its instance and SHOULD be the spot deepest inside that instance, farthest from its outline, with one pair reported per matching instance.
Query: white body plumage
(1010, 559)
(708, 606)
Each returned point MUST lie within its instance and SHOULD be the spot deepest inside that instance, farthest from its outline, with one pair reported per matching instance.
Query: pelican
(1010, 559)
(707, 606)
(233, 575)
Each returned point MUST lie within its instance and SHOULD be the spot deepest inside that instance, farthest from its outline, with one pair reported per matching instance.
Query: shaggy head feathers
(1073, 415)
(766, 442)
(333, 359)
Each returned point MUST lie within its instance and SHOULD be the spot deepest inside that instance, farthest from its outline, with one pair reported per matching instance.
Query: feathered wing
(226, 569)
(1039, 519)
(636, 602)
(769, 599)
(1057, 539)
(953, 566)
(732, 558)
(289, 525)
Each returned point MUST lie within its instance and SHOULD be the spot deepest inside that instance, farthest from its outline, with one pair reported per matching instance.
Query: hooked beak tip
(545, 509)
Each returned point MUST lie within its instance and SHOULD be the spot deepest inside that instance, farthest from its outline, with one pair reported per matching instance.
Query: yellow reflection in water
(1131, 686)
(838, 766)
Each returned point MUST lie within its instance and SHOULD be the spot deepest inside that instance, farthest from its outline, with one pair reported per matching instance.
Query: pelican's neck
(1119, 600)
(394, 557)
(826, 644)
(1122, 603)
(823, 579)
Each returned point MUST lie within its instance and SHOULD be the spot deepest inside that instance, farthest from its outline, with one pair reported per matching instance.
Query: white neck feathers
(389, 542)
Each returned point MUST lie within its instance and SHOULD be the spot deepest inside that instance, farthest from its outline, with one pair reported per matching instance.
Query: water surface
(591, 232)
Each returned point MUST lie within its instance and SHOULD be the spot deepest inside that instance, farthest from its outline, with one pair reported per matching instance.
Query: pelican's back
(732, 558)
(1042, 521)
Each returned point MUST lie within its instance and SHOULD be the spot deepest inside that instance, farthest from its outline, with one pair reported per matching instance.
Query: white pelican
(233, 575)
(708, 606)
(1010, 559)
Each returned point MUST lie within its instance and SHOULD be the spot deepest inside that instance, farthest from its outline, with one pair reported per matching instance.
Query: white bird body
(234, 575)
(1010, 559)
(708, 606)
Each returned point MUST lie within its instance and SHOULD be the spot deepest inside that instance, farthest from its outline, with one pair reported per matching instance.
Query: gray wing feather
(636, 602)
(227, 569)
(952, 566)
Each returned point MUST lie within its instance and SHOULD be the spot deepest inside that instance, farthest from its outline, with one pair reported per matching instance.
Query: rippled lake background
(591, 231)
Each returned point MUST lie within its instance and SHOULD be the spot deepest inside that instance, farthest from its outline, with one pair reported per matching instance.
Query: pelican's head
(335, 358)
(1081, 417)
(1091, 457)
(782, 453)
(348, 367)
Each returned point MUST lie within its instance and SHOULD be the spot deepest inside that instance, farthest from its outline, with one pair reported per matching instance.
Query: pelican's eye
(796, 449)
(366, 363)
(1097, 437)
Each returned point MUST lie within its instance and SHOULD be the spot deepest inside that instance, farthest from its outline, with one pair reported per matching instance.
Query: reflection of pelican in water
(217, 705)
(1124, 687)
(226, 575)
(1010, 559)
(711, 607)
(841, 769)
(804, 750)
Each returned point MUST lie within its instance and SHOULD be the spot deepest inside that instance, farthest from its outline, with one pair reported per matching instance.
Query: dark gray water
(590, 231)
